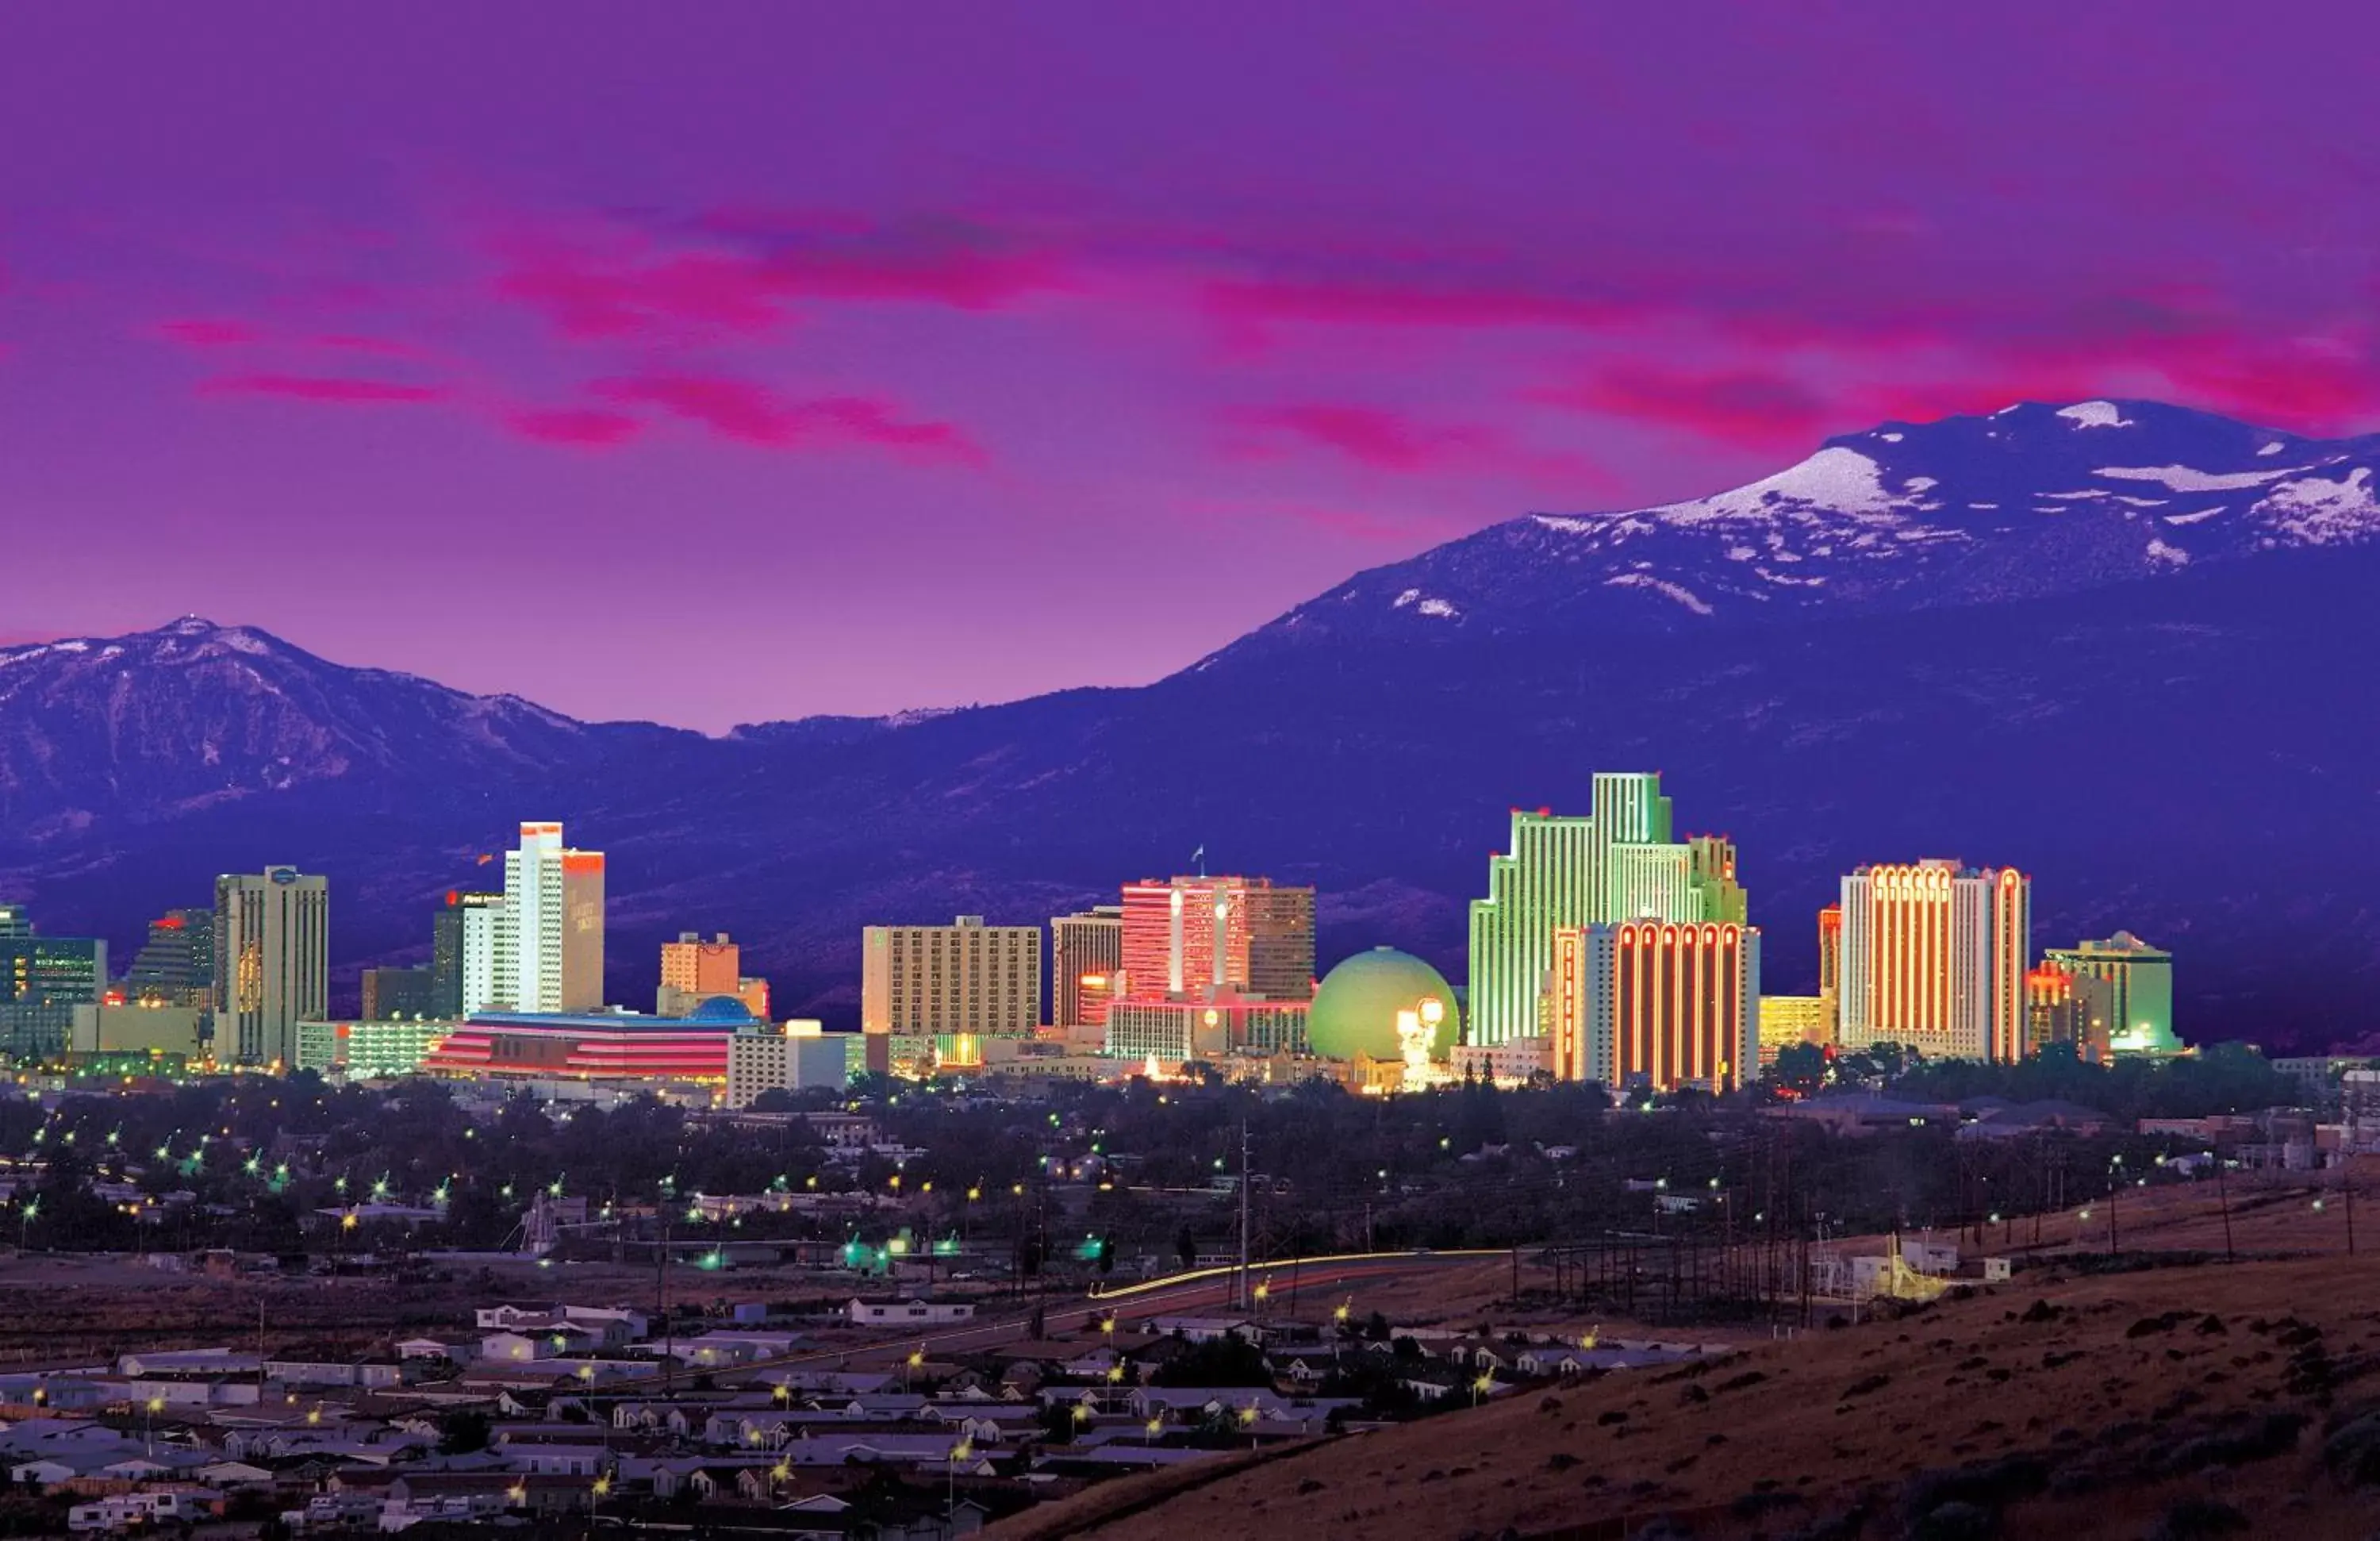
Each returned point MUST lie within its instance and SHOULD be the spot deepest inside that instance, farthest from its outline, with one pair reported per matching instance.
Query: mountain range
(2116, 644)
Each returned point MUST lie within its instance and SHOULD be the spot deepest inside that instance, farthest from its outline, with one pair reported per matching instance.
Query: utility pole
(660, 1297)
(1244, 1301)
(2222, 1195)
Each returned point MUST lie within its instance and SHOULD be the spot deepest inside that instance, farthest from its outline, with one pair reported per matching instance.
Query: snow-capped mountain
(2030, 500)
(2075, 640)
(194, 713)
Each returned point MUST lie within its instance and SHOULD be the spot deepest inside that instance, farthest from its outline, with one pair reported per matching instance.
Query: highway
(1198, 1290)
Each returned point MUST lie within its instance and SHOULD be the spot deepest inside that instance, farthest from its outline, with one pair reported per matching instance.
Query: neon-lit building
(1616, 864)
(550, 930)
(1933, 957)
(1830, 966)
(598, 1046)
(2140, 985)
(1191, 934)
(2061, 1006)
(1655, 1003)
(1085, 964)
(1786, 1020)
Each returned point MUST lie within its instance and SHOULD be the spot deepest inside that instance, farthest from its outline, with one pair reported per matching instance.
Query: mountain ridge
(2151, 746)
(2033, 499)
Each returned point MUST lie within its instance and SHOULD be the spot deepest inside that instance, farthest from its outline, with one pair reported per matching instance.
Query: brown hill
(2203, 1399)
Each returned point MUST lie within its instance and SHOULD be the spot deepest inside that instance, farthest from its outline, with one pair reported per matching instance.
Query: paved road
(1205, 1289)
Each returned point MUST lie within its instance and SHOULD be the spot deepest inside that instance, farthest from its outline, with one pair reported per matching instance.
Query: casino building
(1933, 957)
(1655, 1004)
(593, 1046)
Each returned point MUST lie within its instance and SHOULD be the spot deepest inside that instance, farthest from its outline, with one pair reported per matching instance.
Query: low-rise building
(888, 1311)
(797, 1056)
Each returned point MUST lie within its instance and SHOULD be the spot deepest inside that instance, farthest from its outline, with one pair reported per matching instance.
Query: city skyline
(757, 337)
(928, 771)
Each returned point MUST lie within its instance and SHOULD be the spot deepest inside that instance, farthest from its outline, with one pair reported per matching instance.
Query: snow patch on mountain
(2202, 513)
(2095, 414)
(2182, 479)
(1837, 480)
(1679, 592)
(2319, 512)
(2175, 555)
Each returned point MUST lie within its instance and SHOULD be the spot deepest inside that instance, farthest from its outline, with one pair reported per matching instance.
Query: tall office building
(1086, 958)
(1615, 864)
(42, 981)
(177, 966)
(395, 994)
(919, 981)
(693, 971)
(549, 933)
(272, 963)
(1934, 956)
(1193, 934)
(1280, 941)
(15, 922)
(1655, 1004)
(2140, 991)
(463, 954)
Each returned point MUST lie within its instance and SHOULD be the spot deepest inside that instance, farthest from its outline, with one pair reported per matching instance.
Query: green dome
(1355, 1009)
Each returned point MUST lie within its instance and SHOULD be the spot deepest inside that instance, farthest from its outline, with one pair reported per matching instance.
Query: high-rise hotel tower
(1934, 956)
(272, 963)
(549, 941)
(1616, 864)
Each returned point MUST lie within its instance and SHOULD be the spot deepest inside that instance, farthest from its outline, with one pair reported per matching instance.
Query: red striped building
(589, 1048)
(1655, 1003)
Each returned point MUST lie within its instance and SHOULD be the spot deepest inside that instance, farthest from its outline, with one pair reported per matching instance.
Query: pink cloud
(386, 348)
(1370, 436)
(583, 428)
(1394, 444)
(611, 285)
(203, 333)
(1743, 405)
(750, 413)
(1244, 302)
(298, 387)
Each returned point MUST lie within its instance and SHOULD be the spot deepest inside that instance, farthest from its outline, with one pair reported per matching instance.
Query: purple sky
(726, 361)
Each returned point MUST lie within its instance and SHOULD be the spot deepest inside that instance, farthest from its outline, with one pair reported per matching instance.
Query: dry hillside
(2192, 1398)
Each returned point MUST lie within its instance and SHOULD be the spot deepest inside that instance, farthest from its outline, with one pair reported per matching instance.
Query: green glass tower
(1617, 863)
(2141, 979)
